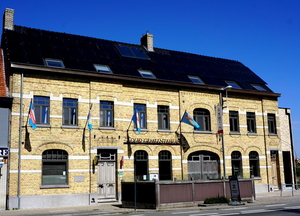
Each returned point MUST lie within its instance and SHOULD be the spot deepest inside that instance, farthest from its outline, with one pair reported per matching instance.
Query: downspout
(180, 142)
(265, 143)
(20, 141)
(288, 113)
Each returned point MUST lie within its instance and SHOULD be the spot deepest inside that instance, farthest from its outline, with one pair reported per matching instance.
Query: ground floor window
(254, 164)
(141, 165)
(236, 163)
(55, 167)
(165, 165)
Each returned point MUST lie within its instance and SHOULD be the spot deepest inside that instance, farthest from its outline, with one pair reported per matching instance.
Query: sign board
(234, 188)
(220, 119)
(4, 152)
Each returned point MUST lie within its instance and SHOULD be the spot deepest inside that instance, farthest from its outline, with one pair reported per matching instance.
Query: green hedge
(216, 200)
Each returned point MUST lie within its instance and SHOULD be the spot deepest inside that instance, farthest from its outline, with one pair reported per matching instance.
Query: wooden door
(106, 180)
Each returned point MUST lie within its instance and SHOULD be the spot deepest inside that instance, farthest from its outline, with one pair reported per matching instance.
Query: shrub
(216, 200)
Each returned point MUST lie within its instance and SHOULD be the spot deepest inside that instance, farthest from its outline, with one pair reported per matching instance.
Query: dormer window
(259, 87)
(233, 84)
(102, 68)
(54, 63)
(196, 80)
(147, 74)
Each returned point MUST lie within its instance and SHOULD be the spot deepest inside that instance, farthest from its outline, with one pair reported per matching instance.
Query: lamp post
(223, 146)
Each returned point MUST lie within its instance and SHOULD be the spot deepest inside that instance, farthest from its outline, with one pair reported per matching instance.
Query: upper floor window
(272, 123)
(106, 114)
(259, 87)
(234, 121)
(141, 109)
(54, 63)
(233, 84)
(146, 74)
(163, 117)
(196, 80)
(55, 167)
(202, 117)
(102, 68)
(41, 106)
(251, 123)
(70, 111)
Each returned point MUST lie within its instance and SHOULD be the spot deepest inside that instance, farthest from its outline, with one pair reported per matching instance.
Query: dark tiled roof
(31, 46)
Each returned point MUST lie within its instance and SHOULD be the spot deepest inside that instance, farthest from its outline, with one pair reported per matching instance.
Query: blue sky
(263, 35)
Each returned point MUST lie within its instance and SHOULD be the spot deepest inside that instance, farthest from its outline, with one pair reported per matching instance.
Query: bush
(216, 200)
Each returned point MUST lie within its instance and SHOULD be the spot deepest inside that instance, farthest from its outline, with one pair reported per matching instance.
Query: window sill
(202, 132)
(69, 127)
(252, 134)
(54, 186)
(234, 133)
(107, 128)
(164, 130)
(43, 125)
(272, 134)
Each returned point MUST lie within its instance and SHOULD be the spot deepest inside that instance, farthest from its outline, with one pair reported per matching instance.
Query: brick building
(69, 77)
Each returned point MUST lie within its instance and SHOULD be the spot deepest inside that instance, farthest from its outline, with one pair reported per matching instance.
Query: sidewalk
(272, 198)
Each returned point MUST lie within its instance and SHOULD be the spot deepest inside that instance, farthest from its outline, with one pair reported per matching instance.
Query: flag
(31, 119)
(90, 126)
(186, 118)
(136, 120)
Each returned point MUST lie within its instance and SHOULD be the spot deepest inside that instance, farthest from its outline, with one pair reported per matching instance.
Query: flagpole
(20, 142)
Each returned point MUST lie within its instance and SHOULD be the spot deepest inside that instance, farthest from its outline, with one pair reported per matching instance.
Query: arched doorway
(203, 165)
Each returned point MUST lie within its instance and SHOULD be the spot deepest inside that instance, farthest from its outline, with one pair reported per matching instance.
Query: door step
(106, 200)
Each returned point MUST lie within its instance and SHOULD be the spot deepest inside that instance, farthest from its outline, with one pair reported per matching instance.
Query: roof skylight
(54, 63)
(133, 52)
(147, 74)
(259, 87)
(233, 84)
(102, 68)
(196, 79)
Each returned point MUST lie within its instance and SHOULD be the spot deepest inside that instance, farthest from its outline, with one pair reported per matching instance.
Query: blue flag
(136, 120)
(90, 126)
(31, 119)
(186, 118)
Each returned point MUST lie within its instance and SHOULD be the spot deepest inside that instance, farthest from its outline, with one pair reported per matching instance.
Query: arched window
(236, 163)
(202, 117)
(141, 164)
(254, 164)
(55, 167)
(165, 165)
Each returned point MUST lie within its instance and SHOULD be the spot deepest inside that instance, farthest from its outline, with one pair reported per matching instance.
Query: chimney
(147, 41)
(8, 19)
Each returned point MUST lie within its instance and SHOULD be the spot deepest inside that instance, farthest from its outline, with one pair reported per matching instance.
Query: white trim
(245, 157)
(153, 169)
(31, 157)
(176, 168)
(78, 170)
(12, 150)
(176, 157)
(184, 161)
(153, 157)
(79, 157)
(125, 170)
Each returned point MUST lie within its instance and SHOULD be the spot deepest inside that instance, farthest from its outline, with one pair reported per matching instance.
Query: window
(202, 117)
(196, 80)
(259, 87)
(141, 108)
(133, 52)
(141, 164)
(163, 117)
(54, 63)
(147, 74)
(254, 164)
(55, 167)
(233, 84)
(41, 108)
(236, 162)
(272, 124)
(251, 125)
(165, 165)
(234, 121)
(70, 107)
(102, 68)
(106, 114)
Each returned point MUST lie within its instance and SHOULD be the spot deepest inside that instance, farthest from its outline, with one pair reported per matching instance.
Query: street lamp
(223, 146)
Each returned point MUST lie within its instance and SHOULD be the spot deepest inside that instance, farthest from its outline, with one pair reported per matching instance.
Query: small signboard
(234, 189)
(4, 152)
